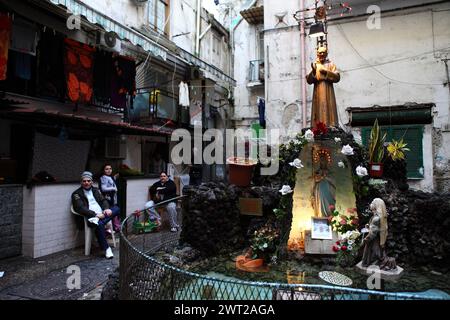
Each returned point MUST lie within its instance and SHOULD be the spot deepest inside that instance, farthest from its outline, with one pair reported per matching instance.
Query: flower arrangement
(342, 223)
(264, 241)
(320, 128)
(347, 248)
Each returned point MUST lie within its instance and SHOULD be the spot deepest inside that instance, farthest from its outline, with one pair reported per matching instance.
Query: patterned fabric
(5, 34)
(78, 62)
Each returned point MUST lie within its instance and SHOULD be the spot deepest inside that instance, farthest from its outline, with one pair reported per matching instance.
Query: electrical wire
(339, 27)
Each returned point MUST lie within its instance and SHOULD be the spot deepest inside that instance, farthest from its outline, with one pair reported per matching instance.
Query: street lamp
(317, 30)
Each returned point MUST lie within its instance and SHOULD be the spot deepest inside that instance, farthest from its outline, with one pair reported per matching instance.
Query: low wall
(48, 224)
(10, 220)
(137, 193)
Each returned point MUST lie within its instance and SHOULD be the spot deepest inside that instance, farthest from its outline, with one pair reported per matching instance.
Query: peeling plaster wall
(124, 11)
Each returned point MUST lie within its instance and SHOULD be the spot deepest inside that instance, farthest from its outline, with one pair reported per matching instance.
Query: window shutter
(413, 136)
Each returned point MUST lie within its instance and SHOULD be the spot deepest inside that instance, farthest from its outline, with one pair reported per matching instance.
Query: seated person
(89, 202)
(153, 215)
(165, 190)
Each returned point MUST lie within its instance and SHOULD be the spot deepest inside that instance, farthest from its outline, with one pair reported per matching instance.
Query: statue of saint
(375, 241)
(323, 75)
(323, 193)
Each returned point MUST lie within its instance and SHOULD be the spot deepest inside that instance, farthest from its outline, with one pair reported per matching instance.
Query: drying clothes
(261, 112)
(22, 65)
(23, 36)
(183, 94)
(103, 68)
(51, 82)
(5, 33)
(78, 63)
(123, 81)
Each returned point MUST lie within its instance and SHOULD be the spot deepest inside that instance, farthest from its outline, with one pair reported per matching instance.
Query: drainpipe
(303, 60)
(197, 31)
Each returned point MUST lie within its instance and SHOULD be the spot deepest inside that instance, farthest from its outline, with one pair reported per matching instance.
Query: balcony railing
(256, 71)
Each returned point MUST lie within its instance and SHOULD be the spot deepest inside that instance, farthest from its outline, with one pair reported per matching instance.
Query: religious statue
(375, 241)
(323, 75)
(323, 193)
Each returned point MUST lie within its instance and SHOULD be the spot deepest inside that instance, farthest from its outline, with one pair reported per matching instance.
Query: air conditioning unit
(115, 147)
(108, 41)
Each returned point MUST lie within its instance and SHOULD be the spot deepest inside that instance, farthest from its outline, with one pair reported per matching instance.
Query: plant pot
(376, 170)
(240, 171)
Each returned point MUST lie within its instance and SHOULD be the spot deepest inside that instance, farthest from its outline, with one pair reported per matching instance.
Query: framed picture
(320, 229)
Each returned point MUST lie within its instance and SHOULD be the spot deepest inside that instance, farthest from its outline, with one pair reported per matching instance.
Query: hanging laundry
(23, 36)
(5, 33)
(22, 65)
(261, 112)
(103, 69)
(78, 62)
(123, 81)
(52, 80)
(183, 95)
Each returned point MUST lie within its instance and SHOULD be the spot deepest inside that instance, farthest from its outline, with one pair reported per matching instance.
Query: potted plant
(396, 149)
(240, 170)
(376, 151)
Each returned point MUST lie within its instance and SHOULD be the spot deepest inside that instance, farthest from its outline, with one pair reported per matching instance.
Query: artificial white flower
(361, 171)
(309, 135)
(336, 139)
(347, 150)
(285, 189)
(350, 242)
(354, 235)
(349, 248)
(341, 164)
(296, 163)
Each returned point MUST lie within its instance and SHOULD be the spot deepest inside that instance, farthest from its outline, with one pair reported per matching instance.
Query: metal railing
(143, 276)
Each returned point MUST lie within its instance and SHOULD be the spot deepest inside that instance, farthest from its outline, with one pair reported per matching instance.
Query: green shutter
(413, 136)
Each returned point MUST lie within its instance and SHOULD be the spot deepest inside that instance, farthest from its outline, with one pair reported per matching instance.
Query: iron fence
(143, 276)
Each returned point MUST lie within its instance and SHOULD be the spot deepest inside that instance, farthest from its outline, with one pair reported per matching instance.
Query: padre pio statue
(323, 75)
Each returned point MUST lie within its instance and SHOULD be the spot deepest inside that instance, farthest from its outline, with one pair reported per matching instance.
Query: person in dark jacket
(89, 202)
(165, 190)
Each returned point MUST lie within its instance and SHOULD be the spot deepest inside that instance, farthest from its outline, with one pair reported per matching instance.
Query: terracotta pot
(240, 171)
(376, 170)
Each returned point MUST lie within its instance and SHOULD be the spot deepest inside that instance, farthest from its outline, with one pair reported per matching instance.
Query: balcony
(256, 73)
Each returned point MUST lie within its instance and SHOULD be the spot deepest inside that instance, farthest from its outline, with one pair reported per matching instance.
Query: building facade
(392, 60)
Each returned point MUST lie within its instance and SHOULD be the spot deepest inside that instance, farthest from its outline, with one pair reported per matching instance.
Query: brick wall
(10, 220)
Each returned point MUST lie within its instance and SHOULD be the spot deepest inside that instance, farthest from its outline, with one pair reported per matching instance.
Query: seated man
(165, 190)
(89, 202)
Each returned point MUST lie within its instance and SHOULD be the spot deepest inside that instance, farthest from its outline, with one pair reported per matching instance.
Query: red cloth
(78, 63)
(5, 34)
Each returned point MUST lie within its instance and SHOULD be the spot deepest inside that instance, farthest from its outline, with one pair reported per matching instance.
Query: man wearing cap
(89, 202)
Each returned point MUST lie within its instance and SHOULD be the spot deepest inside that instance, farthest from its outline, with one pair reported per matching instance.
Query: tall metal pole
(303, 61)
(198, 27)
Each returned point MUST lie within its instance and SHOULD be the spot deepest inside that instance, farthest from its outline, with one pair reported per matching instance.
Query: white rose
(361, 171)
(341, 164)
(336, 139)
(285, 189)
(347, 150)
(309, 135)
(296, 163)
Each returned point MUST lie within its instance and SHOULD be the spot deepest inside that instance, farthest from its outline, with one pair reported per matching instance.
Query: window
(412, 135)
(157, 14)
(260, 42)
(216, 48)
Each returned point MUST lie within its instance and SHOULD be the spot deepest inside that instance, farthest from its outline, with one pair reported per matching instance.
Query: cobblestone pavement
(47, 278)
